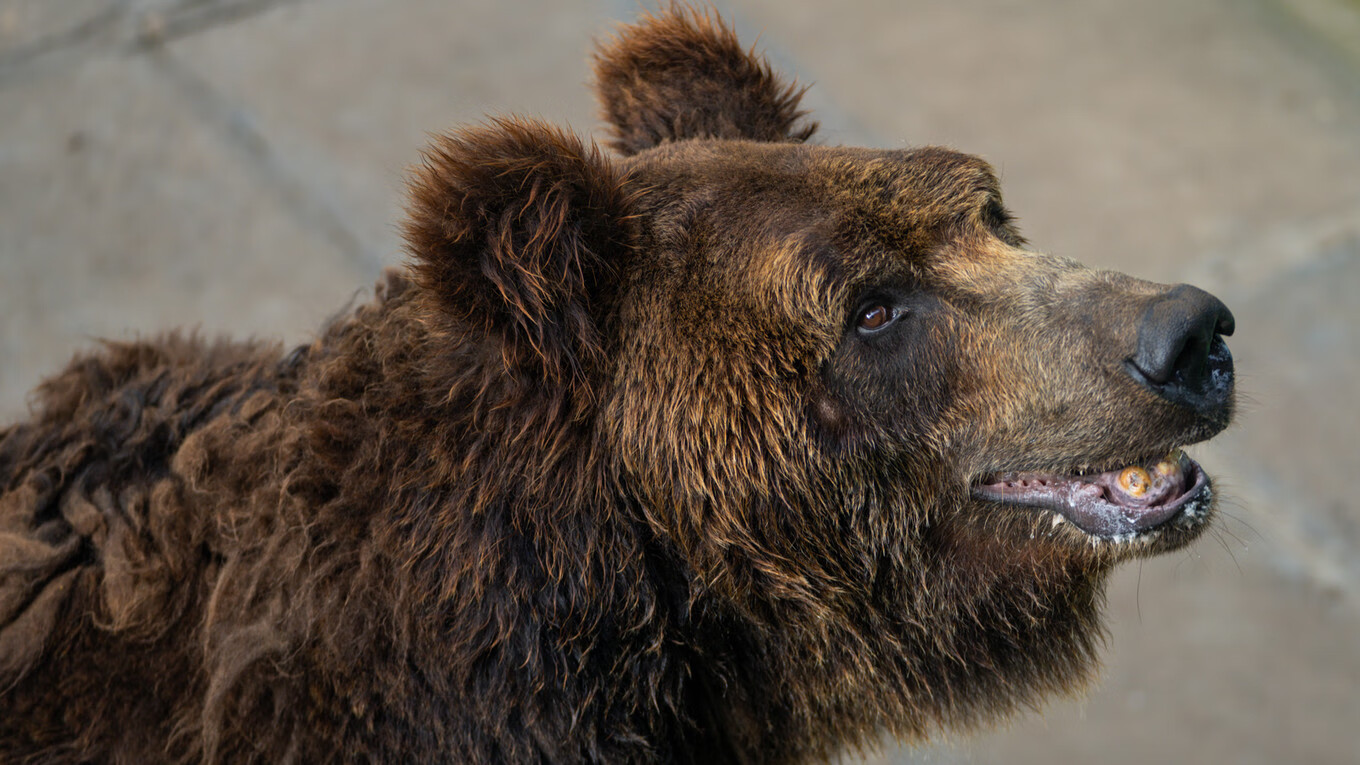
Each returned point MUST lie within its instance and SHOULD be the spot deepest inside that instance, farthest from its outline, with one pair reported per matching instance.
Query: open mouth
(1125, 502)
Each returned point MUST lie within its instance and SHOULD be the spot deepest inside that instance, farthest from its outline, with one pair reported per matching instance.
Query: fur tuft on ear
(683, 74)
(516, 228)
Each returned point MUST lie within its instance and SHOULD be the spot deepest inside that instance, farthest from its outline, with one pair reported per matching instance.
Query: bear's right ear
(516, 229)
(682, 74)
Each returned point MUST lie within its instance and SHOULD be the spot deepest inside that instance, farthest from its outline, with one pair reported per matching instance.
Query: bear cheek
(900, 391)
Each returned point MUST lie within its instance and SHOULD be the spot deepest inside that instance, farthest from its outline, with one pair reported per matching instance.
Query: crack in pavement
(123, 26)
(240, 135)
(189, 17)
(85, 31)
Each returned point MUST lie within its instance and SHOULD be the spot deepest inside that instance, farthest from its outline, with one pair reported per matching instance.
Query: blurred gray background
(236, 165)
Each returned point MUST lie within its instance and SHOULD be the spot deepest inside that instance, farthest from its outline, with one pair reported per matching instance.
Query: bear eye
(875, 317)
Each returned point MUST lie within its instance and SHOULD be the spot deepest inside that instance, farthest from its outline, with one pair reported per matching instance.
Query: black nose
(1181, 354)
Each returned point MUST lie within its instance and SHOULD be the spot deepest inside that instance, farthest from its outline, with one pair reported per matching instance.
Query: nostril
(1192, 362)
(1226, 322)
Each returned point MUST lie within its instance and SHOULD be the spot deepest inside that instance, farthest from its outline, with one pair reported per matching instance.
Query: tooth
(1057, 521)
(1134, 481)
(1171, 464)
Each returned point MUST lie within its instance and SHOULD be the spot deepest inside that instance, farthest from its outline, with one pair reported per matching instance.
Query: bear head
(856, 411)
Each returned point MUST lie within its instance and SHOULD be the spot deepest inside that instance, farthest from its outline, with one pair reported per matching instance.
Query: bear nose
(1181, 355)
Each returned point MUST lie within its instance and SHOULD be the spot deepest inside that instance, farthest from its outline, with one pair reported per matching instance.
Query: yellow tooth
(1171, 463)
(1134, 481)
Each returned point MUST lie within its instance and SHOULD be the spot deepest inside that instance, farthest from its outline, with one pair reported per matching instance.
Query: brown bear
(728, 448)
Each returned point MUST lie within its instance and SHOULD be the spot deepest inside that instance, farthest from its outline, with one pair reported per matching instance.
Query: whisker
(1218, 537)
(1138, 592)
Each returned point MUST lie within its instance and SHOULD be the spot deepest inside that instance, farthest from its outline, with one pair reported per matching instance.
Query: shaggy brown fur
(610, 474)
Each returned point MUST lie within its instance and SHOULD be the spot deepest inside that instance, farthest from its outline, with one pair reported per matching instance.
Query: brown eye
(875, 317)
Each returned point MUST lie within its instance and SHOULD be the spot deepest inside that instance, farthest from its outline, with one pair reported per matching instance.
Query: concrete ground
(236, 165)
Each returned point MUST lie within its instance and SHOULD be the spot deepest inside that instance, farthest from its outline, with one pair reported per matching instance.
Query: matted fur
(606, 474)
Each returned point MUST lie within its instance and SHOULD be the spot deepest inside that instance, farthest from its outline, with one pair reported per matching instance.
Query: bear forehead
(917, 186)
(797, 225)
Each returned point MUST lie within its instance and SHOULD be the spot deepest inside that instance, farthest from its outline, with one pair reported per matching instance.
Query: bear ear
(515, 228)
(682, 74)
